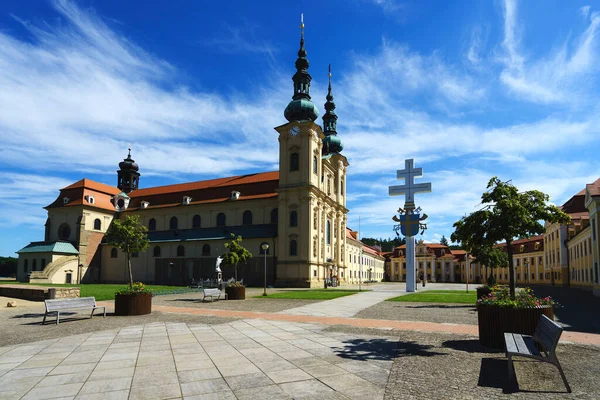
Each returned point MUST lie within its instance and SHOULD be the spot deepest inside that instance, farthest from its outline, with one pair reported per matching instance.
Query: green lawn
(107, 292)
(314, 294)
(439, 296)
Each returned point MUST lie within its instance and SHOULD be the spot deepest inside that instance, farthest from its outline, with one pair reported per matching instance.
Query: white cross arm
(407, 173)
(410, 190)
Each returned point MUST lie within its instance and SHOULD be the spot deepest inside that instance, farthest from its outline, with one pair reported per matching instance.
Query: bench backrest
(73, 302)
(547, 333)
(211, 292)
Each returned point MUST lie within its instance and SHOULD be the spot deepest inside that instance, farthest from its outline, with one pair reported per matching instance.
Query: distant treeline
(8, 266)
(385, 244)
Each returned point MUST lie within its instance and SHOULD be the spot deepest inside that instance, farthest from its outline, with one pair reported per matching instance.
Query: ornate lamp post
(265, 248)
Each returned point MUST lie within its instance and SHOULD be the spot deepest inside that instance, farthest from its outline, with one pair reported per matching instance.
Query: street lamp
(265, 248)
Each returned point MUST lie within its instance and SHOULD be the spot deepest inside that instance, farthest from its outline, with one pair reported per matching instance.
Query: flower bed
(498, 313)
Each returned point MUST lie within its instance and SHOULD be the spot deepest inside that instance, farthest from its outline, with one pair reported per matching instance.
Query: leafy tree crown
(128, 234)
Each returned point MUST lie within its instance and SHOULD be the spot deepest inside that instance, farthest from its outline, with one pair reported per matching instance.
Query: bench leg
(562, 375)
(44, 321)
(57, 317)
(512, 379)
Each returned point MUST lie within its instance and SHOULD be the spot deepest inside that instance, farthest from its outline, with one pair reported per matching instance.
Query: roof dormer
(66, 200)
(235, 195)
(89, 199)
(186, 200)
(144, 205)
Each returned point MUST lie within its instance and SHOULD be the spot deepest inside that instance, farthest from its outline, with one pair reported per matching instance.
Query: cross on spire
(410, 188)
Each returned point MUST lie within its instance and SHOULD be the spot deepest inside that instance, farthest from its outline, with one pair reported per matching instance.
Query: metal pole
(359, 259)
(265, 287)
(467, 269)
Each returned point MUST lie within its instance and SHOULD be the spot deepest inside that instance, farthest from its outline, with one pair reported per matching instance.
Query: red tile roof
(231, 181)
(93, 185)
(262, 185)
(76, 193)
(594, 188)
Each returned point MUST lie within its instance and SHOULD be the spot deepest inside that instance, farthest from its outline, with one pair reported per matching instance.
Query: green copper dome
(301, 110)
(332, 144)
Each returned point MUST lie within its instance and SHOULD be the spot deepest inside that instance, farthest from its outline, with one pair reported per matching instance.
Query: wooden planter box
(493, 321)
(236, 292)
(483, 291)
(133, 304)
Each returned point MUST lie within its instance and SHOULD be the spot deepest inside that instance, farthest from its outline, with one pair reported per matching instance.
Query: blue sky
(468, 89)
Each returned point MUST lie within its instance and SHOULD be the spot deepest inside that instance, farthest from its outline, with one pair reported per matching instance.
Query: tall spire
(331, 143)
(301, 108)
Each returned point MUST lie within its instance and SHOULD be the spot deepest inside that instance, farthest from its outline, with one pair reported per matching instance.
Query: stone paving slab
(286, 360)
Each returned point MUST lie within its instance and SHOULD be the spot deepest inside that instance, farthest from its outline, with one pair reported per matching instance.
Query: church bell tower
(128, 175)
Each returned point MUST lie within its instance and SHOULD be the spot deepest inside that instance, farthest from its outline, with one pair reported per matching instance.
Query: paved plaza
(231, 350)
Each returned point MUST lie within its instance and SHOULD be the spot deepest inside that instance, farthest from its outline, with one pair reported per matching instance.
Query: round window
(121, 203)
(64, 231)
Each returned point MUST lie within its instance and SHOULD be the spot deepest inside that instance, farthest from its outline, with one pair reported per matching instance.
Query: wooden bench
(546, 336)
(58, 305)
(212, 293)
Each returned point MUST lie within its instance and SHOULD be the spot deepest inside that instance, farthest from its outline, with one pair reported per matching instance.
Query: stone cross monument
(410, 217)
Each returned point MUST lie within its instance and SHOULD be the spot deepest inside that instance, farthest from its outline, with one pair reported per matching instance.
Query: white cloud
(81, 89)
(559, 77)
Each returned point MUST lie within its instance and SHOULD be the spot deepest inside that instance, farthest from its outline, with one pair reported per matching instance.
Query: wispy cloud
(559, 77)
(241, 39)
(82, 89)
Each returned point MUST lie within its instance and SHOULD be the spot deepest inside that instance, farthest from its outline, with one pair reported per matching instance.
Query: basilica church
(299, 211)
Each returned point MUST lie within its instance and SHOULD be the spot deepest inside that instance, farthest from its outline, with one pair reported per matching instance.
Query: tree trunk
(511, 270)
(235, 271)
(129, 267)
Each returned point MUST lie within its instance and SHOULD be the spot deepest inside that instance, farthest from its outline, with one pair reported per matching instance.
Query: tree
(8, 266)
(444, 241)
(237, 253)
(129, 236)
(506, 214)
(491, 257)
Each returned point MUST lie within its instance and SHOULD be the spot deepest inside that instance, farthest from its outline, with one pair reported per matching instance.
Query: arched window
(328, 232)
(247, 218)
(64, 231)
(314, 164)
(152, 224)
(180, 251)
(97, 224)
(206, 250)
(156, 252)
(173, 223)
(113, 253)
(221, 219)
(293, 218)
(294, 162)
(274, 216)
(26, 265)
(43, 264)
(293, 248)
(196, 221)
(34, 265)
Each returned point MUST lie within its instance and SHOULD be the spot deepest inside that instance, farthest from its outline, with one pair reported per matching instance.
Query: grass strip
(107, 291)
(315, 294)
(438, 296)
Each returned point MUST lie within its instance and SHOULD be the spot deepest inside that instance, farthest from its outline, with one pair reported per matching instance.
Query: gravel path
(430, 312)
(250, 304)
(437, 366)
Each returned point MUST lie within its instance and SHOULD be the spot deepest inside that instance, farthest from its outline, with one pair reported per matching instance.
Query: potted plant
(133, 300)
(130, 236)
(498, 313)
(237, 254)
